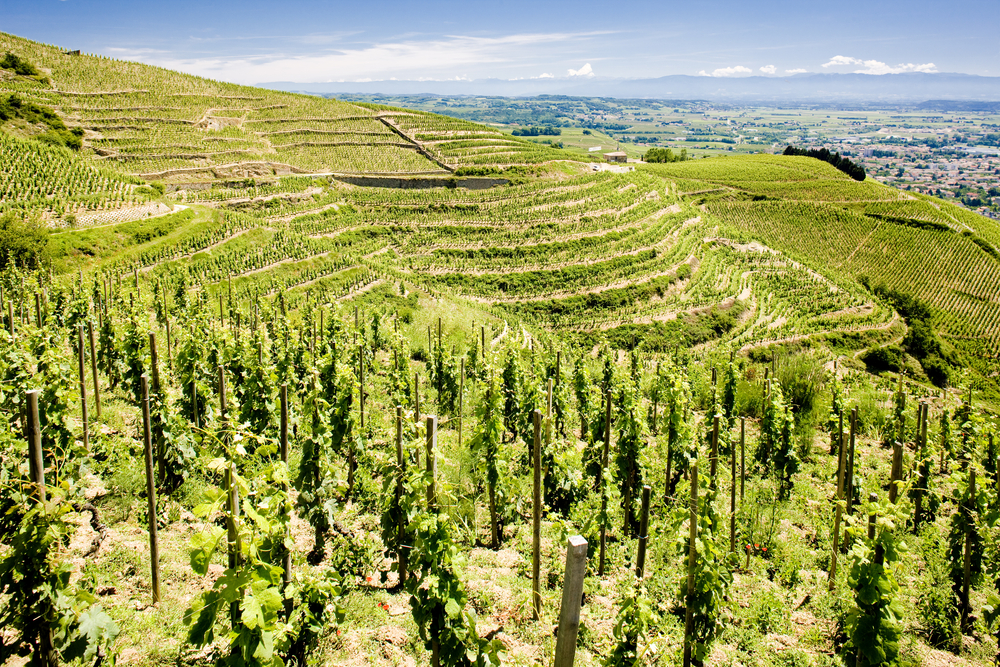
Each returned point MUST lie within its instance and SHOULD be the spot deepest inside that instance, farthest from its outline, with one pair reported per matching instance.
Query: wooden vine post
(600, 481)
(839, 510)
(896, 471)
(849, 483)
(404, 549)
(36, 462)
(714, 461)
(416, 397)
(732, 498)
(155, 369)
(461, 399)
(147, 441)
(431, 464)
(93, 368)
(536, 516)
(640, 560)
(286, 559)
(33, 434)
(692, 561)
(921, 482)
(232, 532)
(569, 610)
(432, 423)
(967, 555)
(872, 514)
(82, 365)
(743, 461)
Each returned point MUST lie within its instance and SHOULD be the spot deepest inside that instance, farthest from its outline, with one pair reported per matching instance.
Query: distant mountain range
(835, 88)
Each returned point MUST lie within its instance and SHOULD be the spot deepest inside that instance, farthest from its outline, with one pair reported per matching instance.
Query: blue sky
(312, 41)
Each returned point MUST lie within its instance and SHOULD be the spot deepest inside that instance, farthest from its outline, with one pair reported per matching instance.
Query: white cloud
(796, 71)
(586, 71)
(738, 70)
(876, 67)
(879, 67)
(431, 59)
(838, 61)
(545, 75)
(769, 69)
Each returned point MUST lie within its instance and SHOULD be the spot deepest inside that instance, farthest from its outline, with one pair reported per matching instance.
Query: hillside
(160, 124)
(360, 372)
(744, 251)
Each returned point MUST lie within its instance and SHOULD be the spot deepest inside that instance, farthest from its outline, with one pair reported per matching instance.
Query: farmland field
(363, 370)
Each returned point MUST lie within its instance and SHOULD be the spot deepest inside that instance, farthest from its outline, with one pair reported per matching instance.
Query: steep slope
(160, 124)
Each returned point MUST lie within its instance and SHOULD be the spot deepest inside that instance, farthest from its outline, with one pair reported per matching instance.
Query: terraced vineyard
(157, 124)
(234, 250)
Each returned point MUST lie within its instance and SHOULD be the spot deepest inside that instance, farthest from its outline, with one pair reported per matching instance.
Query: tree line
(855, 171)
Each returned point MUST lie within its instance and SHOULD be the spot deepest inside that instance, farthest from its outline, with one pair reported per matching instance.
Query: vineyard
(297, 381)
(157, 124)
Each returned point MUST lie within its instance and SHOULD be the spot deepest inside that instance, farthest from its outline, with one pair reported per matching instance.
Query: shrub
(14, 63)
(23, 242)
(881, 359)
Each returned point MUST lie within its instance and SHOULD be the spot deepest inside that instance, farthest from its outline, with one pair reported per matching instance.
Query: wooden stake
(82, 365)
(872, 498)
(461, 398)
(431, 466)
(967, 561)
(836, 521)
(416, 398)
(692, 561)
(222, 397)
(155, 367)
(640, 561)
(286, 559)
(536, 516)
(849, 486)
(147, 441)
(33, 434)
(600, 481)
(896, 471)
(404, 549)
(233, 536)
(569, 610)
(732, 499)
(93, 367)
(361, 381)
(743, 461)
(714, 461)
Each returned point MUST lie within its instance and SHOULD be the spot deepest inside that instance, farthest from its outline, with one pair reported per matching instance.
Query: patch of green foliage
(13, 107)
(23, 242)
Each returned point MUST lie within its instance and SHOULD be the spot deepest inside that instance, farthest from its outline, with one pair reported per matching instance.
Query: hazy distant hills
(836, 88)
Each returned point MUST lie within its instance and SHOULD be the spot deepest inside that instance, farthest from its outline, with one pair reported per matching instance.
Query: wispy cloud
(797, 70)
(769, 69)
(738, 70)
(877, 66)
(413, 58)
